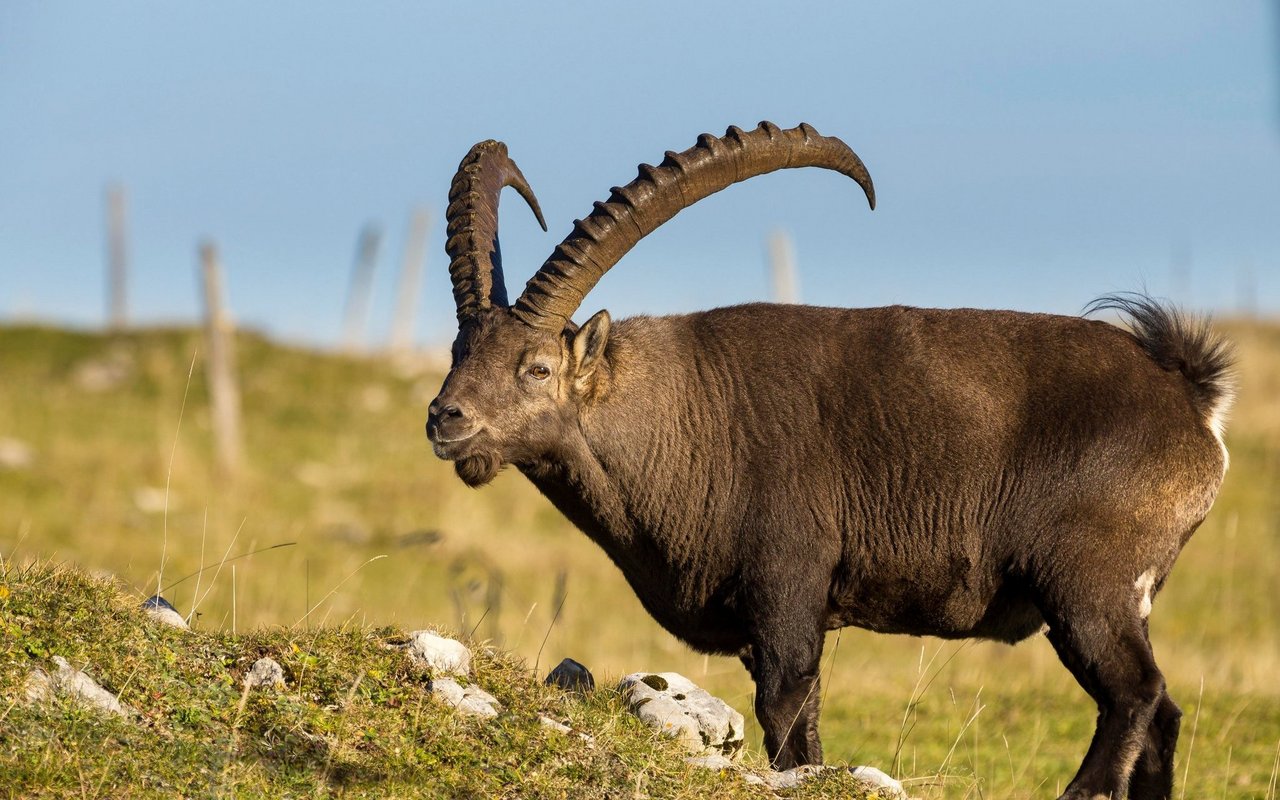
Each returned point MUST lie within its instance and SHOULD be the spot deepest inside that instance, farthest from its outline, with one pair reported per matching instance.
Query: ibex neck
(639, 474)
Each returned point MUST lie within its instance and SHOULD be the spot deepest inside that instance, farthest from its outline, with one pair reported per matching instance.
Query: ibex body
(762, 474)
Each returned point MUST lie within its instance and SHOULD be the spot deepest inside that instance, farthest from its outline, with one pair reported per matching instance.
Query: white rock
(712, 761)
(167, 616)
(70, 682)
(162, 611)
(39, 688)
(443, 656)
(880, 781)
(558, 727)
(674, 705)
(15, 454)
(871, 777)
(75, 683)
(265, 674)
(791, 778)
(467, 699)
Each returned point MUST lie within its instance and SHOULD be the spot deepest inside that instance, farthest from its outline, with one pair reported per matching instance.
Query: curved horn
(658, 194)
(475, 261)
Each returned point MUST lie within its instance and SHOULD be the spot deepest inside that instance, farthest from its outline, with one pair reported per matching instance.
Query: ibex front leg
(785, 669)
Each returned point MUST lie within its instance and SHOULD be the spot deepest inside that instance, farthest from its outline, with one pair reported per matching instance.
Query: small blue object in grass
(571, 676)
(157, 602)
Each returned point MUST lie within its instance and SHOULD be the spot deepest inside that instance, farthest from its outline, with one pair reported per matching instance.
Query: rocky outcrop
(265, 674)
(675, 706)
(68, 682)
(467, 699)
(442, 656)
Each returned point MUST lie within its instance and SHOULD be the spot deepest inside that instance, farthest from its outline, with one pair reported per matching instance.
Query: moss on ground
(356, 718)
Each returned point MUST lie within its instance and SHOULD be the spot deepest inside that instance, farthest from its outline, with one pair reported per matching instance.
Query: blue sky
(1026, 156)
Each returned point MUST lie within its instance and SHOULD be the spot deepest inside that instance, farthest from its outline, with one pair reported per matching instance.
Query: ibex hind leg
(1102, 641)
(1153, 773)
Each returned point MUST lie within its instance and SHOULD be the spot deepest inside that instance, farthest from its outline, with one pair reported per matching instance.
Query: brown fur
(762, 474)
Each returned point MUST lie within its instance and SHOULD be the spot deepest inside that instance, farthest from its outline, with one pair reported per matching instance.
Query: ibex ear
(588, 347)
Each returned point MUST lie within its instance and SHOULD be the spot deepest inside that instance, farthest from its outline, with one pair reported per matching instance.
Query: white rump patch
(1217, 422)
(1143, 584)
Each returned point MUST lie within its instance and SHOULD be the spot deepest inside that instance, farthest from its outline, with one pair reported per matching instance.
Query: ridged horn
(475, 260)
(658, 194)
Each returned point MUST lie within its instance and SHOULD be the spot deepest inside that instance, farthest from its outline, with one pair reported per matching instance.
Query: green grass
(336, 462)
(355, 719)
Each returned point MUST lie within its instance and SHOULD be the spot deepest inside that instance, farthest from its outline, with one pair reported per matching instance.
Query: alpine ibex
(762, 474)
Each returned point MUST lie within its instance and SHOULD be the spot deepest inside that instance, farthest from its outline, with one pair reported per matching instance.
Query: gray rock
(162, 611)
(879, 780)
(442, 656)
(712, 761)
(39, 688)
(558, 727)
(74, 683)
(467, 699)
(571, 676)
(69, 682)
(675, 706)
(265, 674)
(872, 778)
(791, 778)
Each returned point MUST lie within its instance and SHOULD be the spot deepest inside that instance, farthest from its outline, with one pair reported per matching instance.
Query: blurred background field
(107, 444)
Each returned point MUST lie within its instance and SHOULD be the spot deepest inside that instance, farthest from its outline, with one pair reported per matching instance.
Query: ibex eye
(540, 372)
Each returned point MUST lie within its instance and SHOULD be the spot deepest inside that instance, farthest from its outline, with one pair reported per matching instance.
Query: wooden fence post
(415, 248)
(782, 268)
(356, 316)
(224, 391)
(117, 258)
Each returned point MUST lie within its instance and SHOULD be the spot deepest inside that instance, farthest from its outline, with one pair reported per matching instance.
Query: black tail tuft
(1178, 341)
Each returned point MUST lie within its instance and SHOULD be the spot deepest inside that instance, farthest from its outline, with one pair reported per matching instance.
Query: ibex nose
(442, 411)
(446, 420)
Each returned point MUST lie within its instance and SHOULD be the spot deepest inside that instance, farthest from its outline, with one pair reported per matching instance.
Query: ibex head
(522, 373)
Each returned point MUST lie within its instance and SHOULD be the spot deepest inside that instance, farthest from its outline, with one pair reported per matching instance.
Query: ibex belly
(935, 600)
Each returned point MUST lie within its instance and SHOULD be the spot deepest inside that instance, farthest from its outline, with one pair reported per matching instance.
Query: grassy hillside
(355, 718)
(337, 463)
